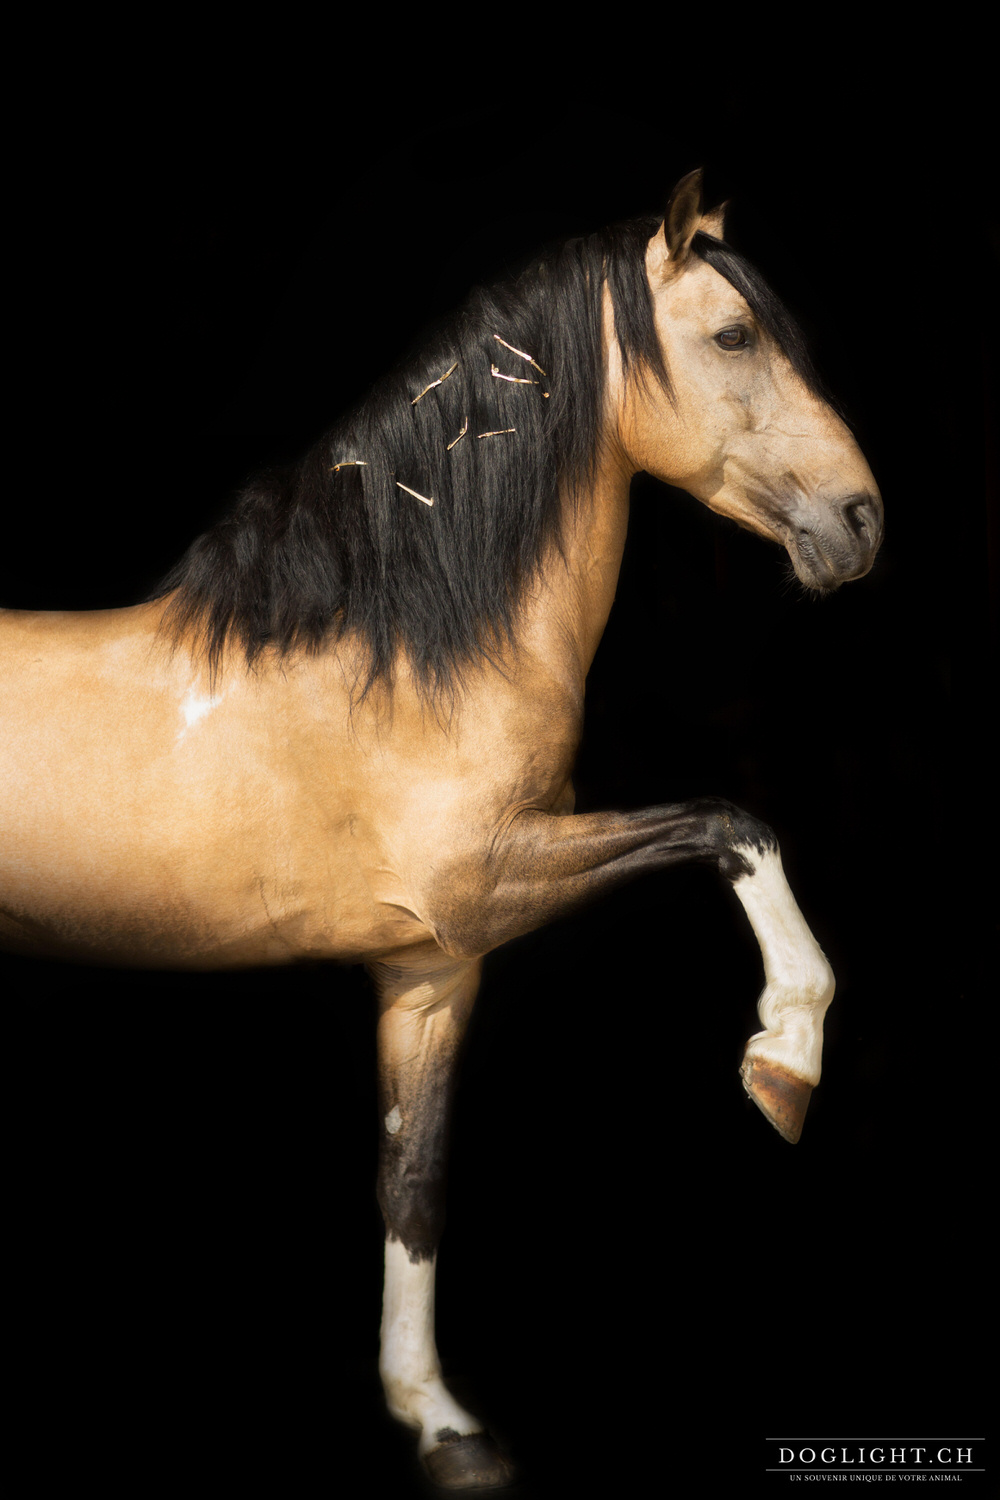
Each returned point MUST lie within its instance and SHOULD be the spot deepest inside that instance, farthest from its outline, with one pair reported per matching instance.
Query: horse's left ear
(670, 247)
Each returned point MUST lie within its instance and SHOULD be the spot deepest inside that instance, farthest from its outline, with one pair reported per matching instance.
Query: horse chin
(817, 588)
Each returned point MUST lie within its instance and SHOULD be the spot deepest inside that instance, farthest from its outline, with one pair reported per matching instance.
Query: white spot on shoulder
(394, 1119)
(194, 707)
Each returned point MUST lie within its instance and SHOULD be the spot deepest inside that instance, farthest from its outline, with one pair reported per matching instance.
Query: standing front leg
(542, 866)
(424, 1006)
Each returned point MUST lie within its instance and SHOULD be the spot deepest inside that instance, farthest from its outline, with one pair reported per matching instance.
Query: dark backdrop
(637, 1272)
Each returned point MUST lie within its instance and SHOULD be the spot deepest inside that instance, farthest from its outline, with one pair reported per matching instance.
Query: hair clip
(425, 498)
(347, 463)
(521, 354)
(499, 432)
(433, 383)
(460, 436)
(514, 379)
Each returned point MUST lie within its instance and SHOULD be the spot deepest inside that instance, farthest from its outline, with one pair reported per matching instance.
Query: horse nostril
(861, 514)
(854, 514)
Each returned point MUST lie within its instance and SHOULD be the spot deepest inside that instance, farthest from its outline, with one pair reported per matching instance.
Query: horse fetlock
(398, 1408)
(796, 1007)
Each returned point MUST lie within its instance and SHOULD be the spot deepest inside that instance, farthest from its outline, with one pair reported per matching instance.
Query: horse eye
(731, 338)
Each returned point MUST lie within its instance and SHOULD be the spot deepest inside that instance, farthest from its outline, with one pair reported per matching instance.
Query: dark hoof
(469, 1463)
(778, 1094)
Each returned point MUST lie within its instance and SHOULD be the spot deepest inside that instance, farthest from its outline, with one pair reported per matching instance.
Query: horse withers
(345, 726)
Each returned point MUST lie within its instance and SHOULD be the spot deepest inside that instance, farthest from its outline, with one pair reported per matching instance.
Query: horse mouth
(824, 563)
(813, 567)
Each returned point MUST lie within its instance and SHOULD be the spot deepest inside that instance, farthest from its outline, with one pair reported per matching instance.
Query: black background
(639, 1279)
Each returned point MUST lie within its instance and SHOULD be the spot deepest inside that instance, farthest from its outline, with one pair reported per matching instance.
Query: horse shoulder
(457, 796)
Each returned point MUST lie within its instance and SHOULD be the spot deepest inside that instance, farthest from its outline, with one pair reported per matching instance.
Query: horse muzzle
(830, 550)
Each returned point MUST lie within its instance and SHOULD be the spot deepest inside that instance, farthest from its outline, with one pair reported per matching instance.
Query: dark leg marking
(424, 1008)
(546, 866)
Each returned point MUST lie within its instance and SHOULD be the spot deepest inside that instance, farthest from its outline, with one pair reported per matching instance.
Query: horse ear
(671, 244)
(683, 217)
(714, 223)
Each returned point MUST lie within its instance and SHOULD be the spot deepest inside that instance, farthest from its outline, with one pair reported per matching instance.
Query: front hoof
(472, 1462)
(778, 1094)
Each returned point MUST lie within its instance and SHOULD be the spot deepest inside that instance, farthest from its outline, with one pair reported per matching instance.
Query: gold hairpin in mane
(440, 380)
(415, 493)
(459, 438)
(521, 355)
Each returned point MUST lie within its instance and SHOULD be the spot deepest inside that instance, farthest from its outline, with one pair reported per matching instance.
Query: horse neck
(566, 617)
(571, 611)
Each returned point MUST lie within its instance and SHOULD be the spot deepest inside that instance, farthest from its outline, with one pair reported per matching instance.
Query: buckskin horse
(344, 727)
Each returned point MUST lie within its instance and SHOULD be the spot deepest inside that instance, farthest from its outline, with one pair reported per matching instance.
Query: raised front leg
(424, 1007)
(543, 865)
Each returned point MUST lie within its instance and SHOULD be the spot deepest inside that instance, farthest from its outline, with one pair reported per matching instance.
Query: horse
(344, 726)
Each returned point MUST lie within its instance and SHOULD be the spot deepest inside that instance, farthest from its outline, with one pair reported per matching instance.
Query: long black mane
(338, 547)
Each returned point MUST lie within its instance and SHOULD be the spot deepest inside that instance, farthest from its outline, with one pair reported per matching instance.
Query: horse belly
(206, 918)
(138, 879)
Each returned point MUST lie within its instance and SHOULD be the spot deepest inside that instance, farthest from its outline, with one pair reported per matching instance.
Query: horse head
(737, 416)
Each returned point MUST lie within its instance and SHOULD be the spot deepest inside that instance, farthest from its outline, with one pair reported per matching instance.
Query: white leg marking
(799, 981)
(411, 1372)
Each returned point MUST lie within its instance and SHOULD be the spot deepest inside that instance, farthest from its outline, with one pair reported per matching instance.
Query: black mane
(321, 552)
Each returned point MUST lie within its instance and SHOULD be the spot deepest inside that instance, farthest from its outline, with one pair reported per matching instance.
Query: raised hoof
(778, 1094)
(473, 1462)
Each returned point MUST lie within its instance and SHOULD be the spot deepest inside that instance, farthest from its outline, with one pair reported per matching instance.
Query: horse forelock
(767, 308)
